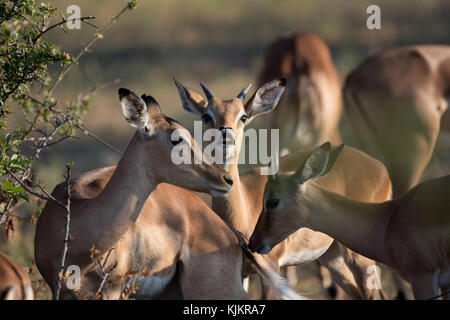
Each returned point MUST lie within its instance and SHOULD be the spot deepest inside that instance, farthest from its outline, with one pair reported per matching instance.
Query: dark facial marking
(170, 120)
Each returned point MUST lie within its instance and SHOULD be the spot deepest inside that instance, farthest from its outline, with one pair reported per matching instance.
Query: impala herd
(345, 208)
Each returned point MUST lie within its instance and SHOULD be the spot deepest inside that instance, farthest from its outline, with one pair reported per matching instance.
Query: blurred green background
(220, 43)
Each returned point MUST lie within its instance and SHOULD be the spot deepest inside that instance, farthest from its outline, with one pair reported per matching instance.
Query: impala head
(288, 203)
(155, 136)
(231, 116)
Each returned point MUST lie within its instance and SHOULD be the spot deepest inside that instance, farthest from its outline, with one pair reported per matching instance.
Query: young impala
(14, 281)
(145, 224)
(410, 233)
(309, 111)
(241, 208)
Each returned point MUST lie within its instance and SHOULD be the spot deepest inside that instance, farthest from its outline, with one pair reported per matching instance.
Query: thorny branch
(64, 20)
(95, 137)
(42, 138)
(47, 141)
(130, 5)
(47, 195)
(44, 143)
(105, 274)
(66, 237)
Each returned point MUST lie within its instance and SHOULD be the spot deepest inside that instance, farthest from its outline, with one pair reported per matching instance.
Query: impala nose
(260, 248)
(228, 180)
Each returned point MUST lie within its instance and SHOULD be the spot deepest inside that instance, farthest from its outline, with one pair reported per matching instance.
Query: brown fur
(309, 112)
(241, 208)
(14, 281)
(171, 233)
(410, 233)
(396, 100)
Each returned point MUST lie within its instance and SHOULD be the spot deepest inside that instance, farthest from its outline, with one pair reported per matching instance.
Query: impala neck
(233, 208)
(358, 225)
(116, 209)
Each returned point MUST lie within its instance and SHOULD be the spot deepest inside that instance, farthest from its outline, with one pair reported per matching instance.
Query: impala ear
(332, 159)
(191, 100)
(318, 164)
(152, 105)
(266, 98)
(134, 109)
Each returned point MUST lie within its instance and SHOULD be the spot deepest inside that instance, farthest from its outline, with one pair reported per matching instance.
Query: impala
(410, 233)
(14, 281)
(241, 208)
(309, 111)
(396, 100)
(157, 236)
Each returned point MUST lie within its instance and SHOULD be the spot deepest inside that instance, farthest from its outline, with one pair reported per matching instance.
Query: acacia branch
(64, 20)
(98, 139)
(47, 139)
(83, 128)
(105, 274)
(47, 195)
(66, 240)
(85, 49)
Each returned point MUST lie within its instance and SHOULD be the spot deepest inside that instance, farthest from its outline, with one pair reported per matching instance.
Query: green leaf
(10, 188)
(8, 138)
(23, 197)
(15, 166)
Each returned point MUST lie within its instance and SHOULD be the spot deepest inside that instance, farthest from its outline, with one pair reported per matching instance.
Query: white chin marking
(218, 194)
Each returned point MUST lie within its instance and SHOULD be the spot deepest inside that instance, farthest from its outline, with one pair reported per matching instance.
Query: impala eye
(175, 142)
(272, 203)
(244, 118)
(206, 118)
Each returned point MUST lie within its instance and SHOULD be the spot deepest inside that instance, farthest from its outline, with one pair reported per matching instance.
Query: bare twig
(89, 45)
(66, 237)
(105, 274)
(83, 128)
(64, 20)
(439, 296)
(47, 195)
(61, 118)
(92, 135)
(42, 144)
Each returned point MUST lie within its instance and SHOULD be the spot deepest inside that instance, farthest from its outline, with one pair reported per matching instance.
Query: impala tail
(279, 284)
